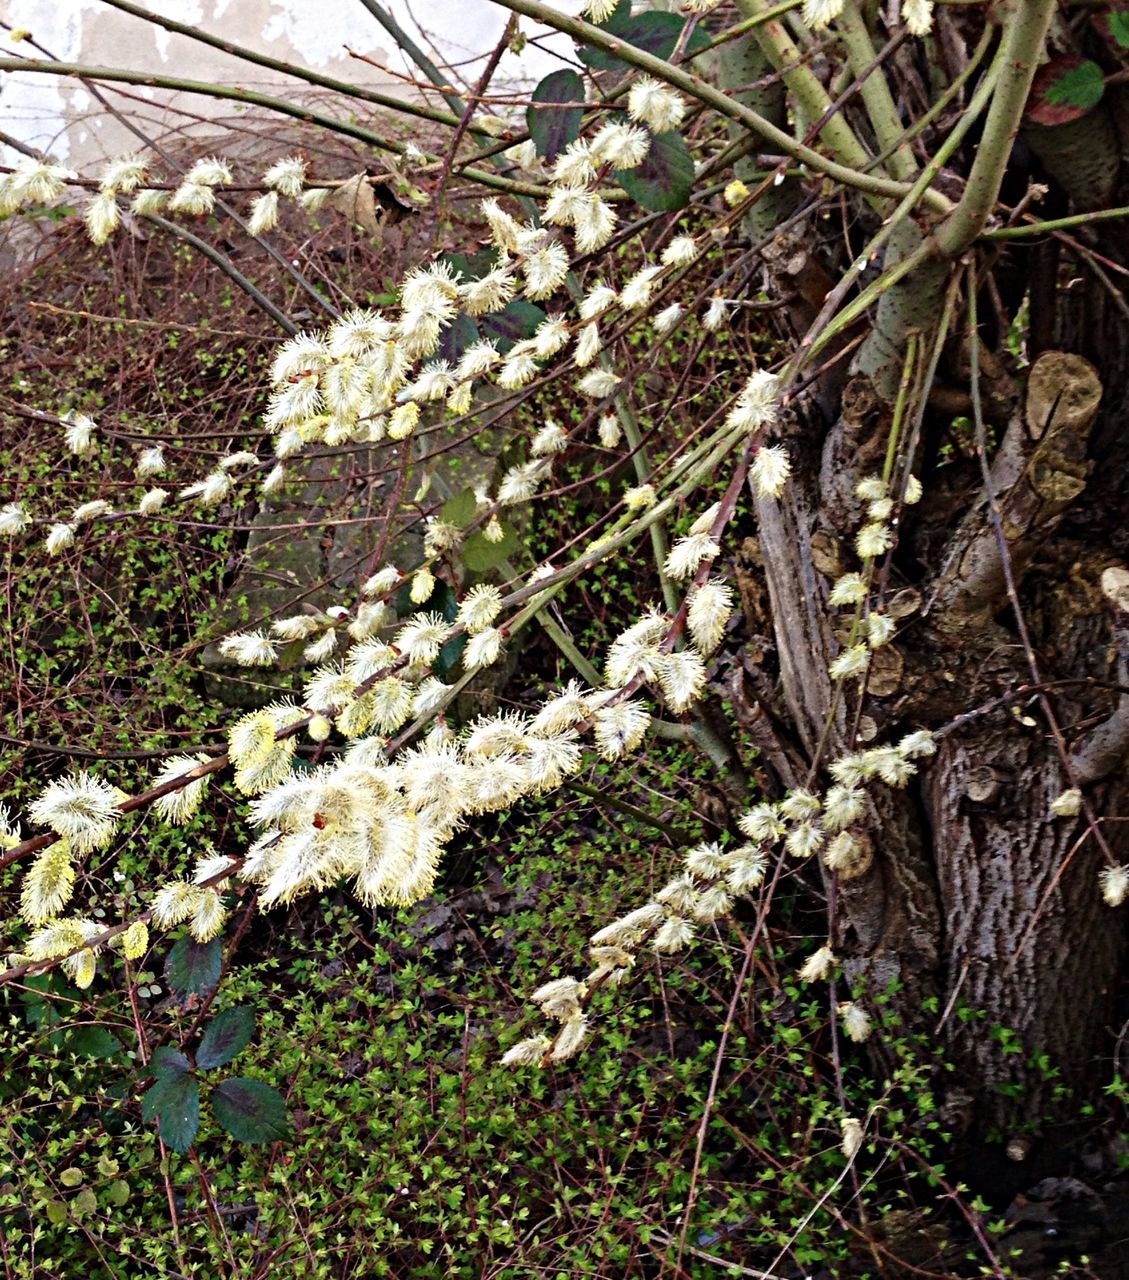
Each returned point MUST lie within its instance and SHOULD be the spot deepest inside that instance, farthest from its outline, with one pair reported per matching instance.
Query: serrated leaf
(356, 201)
(655, 33)
(167, 1061)
(174, 1102)
(460, 509)
(250, 1110)
(516, 321)
(193, 968)
(664, 180)
(227, 1035)
(1064, 89)
(480, 555)
(1112, 24)
(553, 127)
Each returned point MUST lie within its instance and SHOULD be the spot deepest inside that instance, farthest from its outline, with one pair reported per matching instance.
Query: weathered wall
(61, 117)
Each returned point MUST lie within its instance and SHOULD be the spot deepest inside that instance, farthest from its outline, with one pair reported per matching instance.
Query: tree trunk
(981, 906)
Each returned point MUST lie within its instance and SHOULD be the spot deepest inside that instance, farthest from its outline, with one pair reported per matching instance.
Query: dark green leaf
(291, 656)
(250, 1110)
(471, 266)
(448, 656)
(461, 333)
(665, 178)
(654, 33)
(481, 555)
(228, 1034)
(167, 1061)
(460, 509)
(519, 320)
(551, 127)
(1119, 28)
(174, 1101)
(193, 968)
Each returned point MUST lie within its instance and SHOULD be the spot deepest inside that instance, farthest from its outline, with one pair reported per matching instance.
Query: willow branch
(1022, 48)
(310, 115)
(402, 105)
(405, 43)
(782, 51)
(697, 88)
(876, 95)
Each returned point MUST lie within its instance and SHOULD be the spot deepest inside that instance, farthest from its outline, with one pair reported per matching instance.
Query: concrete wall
(61, 117)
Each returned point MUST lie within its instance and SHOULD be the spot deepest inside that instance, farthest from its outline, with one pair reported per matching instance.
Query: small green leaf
(481, 555)
(516, 321)
(665, 178)
(1119, 27)
(553, 127)
(193, 968)
(118, 1192)
(460, 509)
(250, 1110)
(228, 1034)
(167, 1061)
(71, 1177)
(56, 1212)
(174, 1101)
(107, 1165)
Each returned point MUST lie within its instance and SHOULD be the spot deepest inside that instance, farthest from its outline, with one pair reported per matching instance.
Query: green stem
(1022, 47)
(697, 88)
(402, 105)
(208, 90)
(827, 324)
(875, 91)
(784, 54)
(1055, 224)
(676, 837)
(749, 24)
(642, 467)
(416, 54)
(228, 268)
(926, 119)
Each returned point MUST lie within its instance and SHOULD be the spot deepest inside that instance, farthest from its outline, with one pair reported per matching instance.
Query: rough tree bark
(978, 897)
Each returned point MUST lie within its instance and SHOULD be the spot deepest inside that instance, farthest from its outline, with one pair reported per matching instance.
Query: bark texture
(981, 905)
